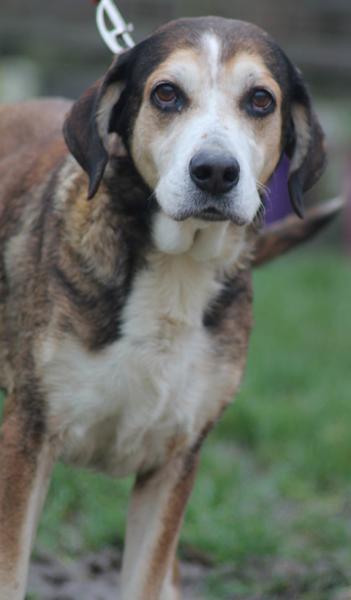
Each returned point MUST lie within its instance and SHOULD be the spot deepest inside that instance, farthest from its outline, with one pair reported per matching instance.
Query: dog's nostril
(231, 174)
(202, 172)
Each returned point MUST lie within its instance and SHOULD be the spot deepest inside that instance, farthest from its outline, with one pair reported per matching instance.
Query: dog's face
(205, 108)
(208, 132)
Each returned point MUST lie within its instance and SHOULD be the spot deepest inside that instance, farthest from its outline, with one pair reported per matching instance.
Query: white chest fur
(120, 408)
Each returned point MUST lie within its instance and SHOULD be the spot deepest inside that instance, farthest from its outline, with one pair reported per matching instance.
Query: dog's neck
(202, 241)
(125, 206)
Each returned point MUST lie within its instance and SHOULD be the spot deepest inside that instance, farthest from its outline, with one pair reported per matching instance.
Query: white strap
(116, 37)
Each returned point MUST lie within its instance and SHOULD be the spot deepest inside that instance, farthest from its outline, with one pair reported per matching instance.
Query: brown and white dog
(125, 297)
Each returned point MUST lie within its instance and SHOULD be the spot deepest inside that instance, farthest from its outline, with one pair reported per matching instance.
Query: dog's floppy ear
(305, 145)
(86, 126)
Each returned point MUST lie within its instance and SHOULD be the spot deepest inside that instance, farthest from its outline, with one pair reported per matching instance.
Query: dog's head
(205, 108)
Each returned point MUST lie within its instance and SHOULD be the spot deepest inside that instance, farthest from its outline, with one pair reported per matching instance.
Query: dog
(125, 294)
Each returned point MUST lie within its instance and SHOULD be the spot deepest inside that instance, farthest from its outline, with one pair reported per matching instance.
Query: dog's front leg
(154, 520)
(26, 461)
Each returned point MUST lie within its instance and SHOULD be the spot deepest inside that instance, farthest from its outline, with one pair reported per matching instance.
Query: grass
(276, 475)
(272, 502)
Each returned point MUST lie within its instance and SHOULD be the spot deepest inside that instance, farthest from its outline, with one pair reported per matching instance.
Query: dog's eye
(167, 97)
(261, 102)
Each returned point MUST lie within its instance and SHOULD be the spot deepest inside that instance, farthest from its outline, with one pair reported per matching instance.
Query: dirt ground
(94, 577)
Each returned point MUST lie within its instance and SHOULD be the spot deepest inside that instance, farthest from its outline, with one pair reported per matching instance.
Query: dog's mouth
(211, 208)
(203, 207)
(211, 214)
(214, 214)
(205, 214)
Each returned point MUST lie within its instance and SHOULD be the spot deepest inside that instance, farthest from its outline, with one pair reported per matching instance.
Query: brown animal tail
(291, 231)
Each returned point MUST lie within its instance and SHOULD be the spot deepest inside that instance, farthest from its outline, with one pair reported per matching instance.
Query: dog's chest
(123, 407)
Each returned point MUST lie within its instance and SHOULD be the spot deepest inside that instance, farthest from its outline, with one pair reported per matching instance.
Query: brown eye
(167, 97)
(165, 93)
(261, 102)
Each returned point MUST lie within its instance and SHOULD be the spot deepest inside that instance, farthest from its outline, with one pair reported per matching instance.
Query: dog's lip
(215, 214)
(211, 214)
(208, 213)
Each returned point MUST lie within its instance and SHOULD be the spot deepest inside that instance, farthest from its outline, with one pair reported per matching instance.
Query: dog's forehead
(217, 41)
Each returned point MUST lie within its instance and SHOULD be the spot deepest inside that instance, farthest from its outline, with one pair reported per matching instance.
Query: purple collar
(277, 199)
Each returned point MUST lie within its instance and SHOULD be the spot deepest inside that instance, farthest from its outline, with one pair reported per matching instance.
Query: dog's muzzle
(214, 173)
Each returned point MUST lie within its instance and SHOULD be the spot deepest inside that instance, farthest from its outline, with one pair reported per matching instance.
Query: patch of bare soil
(95, 577)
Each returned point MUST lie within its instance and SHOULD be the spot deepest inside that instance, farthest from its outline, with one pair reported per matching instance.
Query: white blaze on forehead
(212, 47)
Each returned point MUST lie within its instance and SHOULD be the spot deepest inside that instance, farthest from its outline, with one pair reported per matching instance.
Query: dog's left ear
(86, 126)
(305, 144)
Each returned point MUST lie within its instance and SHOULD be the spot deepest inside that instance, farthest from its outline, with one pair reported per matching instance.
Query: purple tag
(277, 199)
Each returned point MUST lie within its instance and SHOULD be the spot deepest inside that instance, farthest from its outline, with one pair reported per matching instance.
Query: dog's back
(25, 124)
(31, 143)
(29, 134)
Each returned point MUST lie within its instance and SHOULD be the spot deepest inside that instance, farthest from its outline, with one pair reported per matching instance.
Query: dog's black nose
(214, 172)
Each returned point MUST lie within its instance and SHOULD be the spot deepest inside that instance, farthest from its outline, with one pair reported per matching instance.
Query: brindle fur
(67, 266)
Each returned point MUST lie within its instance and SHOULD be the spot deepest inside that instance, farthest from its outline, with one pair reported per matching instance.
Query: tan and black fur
(78, 295)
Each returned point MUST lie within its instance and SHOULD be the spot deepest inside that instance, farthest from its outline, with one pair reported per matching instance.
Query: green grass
(275, 483)
(272, 502)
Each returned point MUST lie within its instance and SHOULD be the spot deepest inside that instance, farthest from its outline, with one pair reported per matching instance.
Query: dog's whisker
(264, 189)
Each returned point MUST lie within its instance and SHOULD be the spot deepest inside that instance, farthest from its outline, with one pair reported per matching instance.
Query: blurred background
(271, 512)
(53, 48)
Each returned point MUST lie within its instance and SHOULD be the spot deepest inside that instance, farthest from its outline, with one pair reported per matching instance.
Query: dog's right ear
(306, 144)
(86, 126)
